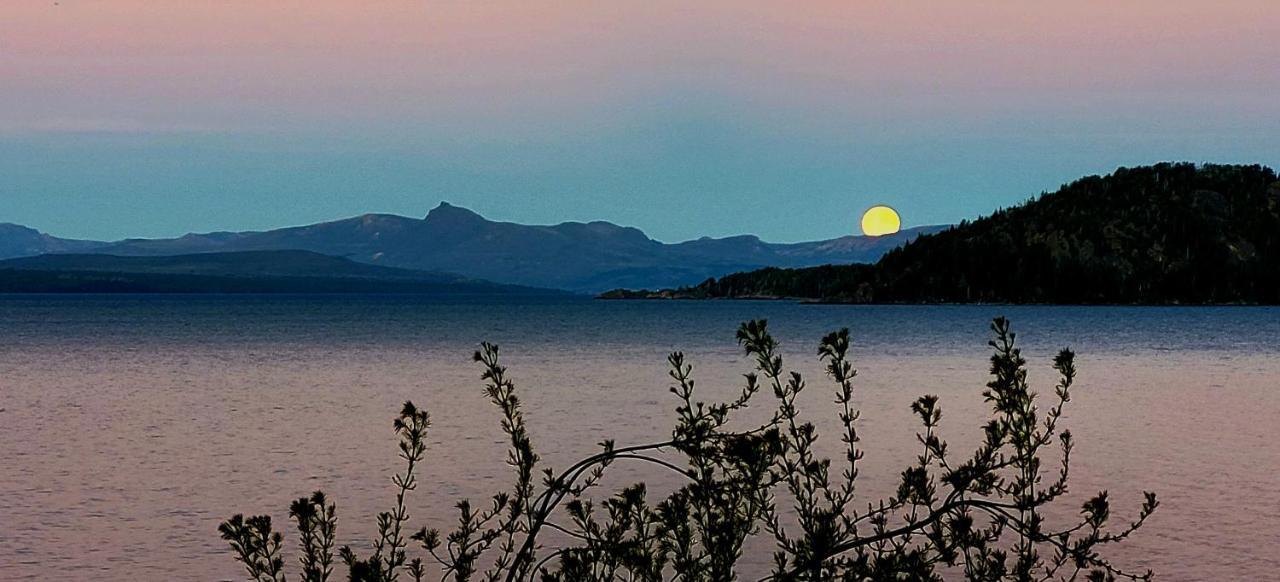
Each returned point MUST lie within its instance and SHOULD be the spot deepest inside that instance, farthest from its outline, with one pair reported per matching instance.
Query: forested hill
(1170, 233)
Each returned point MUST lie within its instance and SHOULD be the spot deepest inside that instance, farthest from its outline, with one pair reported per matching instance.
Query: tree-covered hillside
(1169, 233)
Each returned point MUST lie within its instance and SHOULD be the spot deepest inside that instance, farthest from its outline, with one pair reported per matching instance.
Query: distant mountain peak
(603, 230)
(11, 227)
(19, 241)
(446, 212)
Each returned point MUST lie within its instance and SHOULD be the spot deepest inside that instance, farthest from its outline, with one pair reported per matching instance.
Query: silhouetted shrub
(977, 516)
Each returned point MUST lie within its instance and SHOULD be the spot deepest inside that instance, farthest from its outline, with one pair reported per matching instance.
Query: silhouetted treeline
(287, 272)
(74, 282)
(1169, 233)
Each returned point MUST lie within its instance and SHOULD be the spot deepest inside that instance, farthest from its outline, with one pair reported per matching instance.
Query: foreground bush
(977, 516)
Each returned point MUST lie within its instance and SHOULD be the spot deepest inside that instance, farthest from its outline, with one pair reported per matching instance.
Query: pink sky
(260, 63)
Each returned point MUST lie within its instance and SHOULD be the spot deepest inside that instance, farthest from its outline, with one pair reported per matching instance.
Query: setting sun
(880, 220)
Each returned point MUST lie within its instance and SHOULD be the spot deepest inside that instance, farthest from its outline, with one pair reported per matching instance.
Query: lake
(132, 425)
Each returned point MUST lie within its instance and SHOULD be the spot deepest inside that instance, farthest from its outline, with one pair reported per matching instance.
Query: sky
(153, 118)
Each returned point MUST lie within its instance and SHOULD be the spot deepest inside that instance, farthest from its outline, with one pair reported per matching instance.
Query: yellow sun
(880, 220)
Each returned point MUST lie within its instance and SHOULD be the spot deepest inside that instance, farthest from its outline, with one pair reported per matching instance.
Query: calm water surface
(132, 425)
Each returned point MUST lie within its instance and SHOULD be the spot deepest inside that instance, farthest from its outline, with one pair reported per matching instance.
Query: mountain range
(581, 257)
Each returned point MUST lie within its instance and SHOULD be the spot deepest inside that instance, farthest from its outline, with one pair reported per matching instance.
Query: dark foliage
(236, 272)
(1170, 233)
(978, 516)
